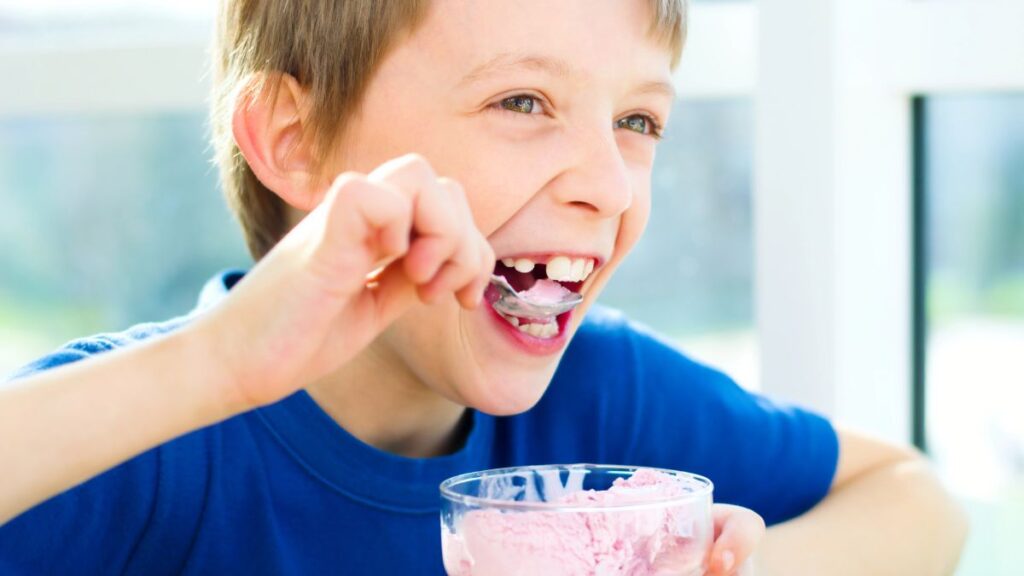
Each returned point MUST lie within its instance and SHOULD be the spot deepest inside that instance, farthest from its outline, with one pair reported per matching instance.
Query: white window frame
(833, 185)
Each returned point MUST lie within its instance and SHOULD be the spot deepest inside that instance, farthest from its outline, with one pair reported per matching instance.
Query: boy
(300, 420)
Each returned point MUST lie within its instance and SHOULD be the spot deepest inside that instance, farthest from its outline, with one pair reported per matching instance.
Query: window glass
(973, 178)
(109, 220)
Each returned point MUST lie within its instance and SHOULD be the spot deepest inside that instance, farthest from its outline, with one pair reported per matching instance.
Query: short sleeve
(92, 528)
(774, 458)
(70, 353)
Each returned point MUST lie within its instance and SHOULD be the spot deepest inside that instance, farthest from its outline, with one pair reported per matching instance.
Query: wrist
(217, 362)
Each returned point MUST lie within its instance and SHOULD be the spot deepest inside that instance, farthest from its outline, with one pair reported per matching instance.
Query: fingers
(401, 210)
(360, 225)
(472, 292)
(447, 254)
(435, 212)
(471, 295)
(466, 275)
(467, 271)
(737, 533)
(436, 225)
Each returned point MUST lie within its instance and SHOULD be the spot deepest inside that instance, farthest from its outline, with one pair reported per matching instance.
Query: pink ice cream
(545, 292)
(652, 540)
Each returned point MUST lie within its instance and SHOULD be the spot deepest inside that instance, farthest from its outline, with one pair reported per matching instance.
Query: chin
(505, 396)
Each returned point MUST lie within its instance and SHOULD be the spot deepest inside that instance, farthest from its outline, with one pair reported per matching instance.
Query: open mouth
(524, 273)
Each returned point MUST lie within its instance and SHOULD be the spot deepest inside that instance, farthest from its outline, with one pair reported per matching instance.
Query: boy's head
(546, 113)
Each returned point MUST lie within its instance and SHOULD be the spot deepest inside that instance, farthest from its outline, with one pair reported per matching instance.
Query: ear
(270, 130)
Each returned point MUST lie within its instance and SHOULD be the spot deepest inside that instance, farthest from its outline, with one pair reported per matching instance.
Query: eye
(522, 104)
(641, 124)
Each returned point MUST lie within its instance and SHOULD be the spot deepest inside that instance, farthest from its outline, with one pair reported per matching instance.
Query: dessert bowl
(576, 520)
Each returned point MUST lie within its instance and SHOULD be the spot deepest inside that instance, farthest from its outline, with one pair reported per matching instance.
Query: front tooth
(511, 320)
(508, 262)
(578, 266)
(524, 265)
(559, 268)
(549, 330)
(588, 269)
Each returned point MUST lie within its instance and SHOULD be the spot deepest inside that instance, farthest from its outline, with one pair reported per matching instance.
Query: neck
(377, 399)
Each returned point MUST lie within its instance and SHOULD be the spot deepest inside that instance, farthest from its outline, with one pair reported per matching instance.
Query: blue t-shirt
(284, 490)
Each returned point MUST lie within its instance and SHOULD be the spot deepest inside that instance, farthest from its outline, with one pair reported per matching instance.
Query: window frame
(836, 288)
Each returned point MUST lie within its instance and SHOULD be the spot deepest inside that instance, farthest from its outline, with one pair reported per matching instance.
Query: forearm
(894, 520)
(64, 426)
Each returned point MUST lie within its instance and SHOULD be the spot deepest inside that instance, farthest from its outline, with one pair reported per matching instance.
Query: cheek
(634, 221)
(499, 175)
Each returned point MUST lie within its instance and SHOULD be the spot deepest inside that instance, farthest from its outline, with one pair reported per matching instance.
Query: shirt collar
(217, 288)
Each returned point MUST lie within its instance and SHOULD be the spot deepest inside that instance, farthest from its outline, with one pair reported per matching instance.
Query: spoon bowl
(512, 303)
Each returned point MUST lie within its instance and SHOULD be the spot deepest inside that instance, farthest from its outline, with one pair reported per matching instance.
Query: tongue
(545, 292)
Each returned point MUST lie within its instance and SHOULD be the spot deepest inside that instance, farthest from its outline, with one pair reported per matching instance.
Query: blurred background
(838, 209)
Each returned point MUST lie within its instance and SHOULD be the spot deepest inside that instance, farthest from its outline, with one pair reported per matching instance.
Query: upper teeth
(524, 265)
(561, 268)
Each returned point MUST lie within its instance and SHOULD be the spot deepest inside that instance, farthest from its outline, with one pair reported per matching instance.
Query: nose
(597, 179)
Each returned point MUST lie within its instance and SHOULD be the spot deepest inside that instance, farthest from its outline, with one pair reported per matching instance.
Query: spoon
(512, 303)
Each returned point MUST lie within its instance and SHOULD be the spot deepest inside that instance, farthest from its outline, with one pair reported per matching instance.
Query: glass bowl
(576, 520)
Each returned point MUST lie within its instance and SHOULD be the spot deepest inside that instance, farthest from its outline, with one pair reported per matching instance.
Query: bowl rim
(704, 492)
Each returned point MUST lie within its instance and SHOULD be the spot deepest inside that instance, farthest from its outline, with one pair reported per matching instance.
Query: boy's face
(542, 111)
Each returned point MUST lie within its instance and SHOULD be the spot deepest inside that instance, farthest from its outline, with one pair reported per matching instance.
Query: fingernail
(727, 561)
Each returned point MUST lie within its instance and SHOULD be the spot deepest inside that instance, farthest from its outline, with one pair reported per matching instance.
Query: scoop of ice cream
(545, 292)
(642, 541)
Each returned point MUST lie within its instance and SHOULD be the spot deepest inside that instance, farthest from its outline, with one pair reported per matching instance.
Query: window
(108, 119)
(117, 219)
(842, 284)
(971, 389)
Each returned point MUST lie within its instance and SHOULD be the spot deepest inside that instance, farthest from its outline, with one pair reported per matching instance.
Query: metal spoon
(512, 303)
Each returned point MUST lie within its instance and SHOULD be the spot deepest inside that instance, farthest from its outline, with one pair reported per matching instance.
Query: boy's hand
(737, 533)
(310, 305)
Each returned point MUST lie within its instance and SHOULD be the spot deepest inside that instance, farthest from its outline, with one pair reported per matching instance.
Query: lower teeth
(546, 330)
(540, 330)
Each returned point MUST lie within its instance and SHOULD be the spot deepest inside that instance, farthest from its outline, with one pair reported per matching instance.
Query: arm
(300, 313)
(63, 426)
(886, 513)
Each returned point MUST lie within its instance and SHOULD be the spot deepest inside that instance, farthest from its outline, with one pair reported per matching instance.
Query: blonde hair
(332, 48)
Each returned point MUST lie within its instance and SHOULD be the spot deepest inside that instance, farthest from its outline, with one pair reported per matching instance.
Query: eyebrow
(507, 61)
(657, 87)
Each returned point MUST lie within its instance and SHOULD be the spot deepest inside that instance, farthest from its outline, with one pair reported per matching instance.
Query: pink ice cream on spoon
(545, 292)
